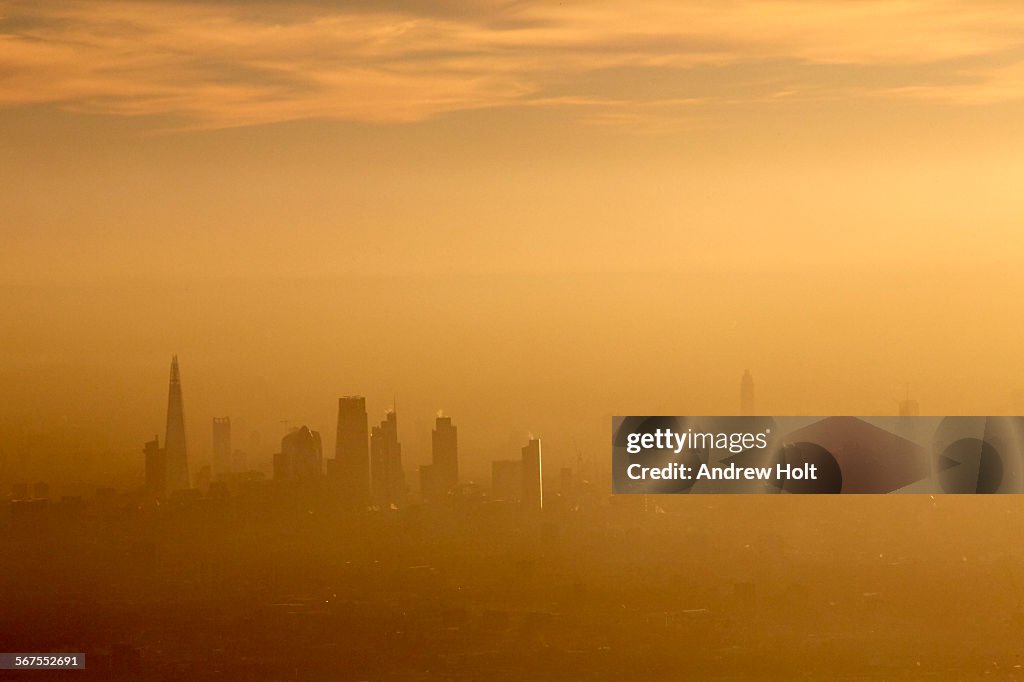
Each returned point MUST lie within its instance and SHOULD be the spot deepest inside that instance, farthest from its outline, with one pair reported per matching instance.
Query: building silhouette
(156, 468)
(351, 464)
(301, 456)
(747, 395)
(387, 477)
(532, 496)
(176, 454)
(441, 476)
(221, 445)
(908, 407)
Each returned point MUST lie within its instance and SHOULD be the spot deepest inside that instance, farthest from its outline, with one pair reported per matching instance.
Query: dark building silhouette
(301, 456)
(747, 395)
(351, 465)
(442, 475)
(387, 476)
(221, 445)
(533, 478)
(174, 440)
(506, 479)
(156, 468)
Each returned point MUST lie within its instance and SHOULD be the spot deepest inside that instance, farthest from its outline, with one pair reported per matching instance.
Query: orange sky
(788, 170)
(525, 136)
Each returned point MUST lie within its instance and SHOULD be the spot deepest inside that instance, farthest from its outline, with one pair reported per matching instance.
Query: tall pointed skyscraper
(174, 441)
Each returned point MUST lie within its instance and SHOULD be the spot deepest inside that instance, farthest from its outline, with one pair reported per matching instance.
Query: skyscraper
(221, 445)
(387, 476)
(351, 451)
(747, 395)
(441, 476)
(533, 479)
(301, 456)
(174, 441)
(156, 468)
(445, 454)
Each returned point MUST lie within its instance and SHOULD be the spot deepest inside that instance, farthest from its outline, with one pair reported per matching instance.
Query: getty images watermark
(817, 455)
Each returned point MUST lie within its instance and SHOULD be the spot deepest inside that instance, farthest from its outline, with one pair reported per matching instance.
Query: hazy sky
(451, 179)
(338, 137)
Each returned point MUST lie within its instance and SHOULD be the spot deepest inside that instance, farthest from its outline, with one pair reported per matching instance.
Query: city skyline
(479, 462)
(367, 469)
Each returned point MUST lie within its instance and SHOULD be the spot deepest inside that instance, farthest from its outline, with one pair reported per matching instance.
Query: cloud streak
(224, 64)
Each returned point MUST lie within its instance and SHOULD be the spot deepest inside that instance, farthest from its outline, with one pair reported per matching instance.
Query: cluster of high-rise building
(366, 470)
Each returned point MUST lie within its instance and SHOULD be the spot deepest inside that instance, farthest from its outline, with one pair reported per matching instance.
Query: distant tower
(351, 451)
(445, 454)
(174, 441)
(388, 478)
(533, 478)
(908, 407)
(221, 445)
(747, 395)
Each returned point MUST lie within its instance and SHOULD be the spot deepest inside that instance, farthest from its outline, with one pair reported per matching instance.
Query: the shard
(174, 441)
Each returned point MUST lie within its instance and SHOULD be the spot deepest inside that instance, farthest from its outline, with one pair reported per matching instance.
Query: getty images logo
(677, 441)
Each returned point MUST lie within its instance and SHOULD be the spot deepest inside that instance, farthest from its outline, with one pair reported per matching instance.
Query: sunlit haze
(530, 215)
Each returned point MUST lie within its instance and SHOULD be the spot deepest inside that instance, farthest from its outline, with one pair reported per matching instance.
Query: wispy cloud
(224, 63)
